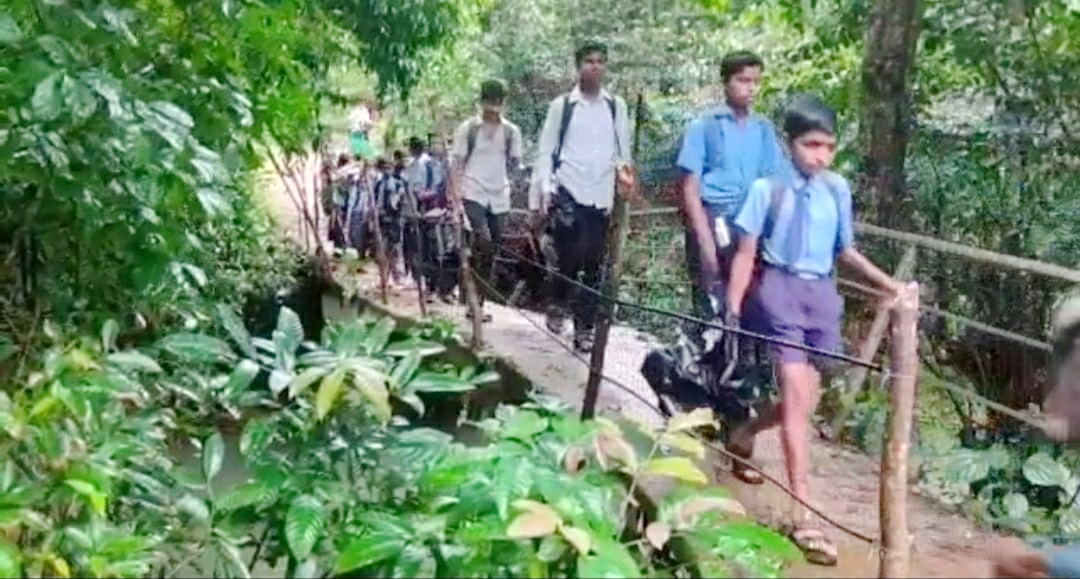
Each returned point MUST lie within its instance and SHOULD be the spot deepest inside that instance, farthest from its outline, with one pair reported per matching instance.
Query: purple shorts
(805, 311)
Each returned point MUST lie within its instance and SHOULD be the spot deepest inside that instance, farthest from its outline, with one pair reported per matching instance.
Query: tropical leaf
(234, 326)
(379, 335)
(242, 376)
(677, 467)
(1041, 469)
(197, 348)
(329, 392)
(213, 456)
(368, 550)
(134, 360)
(433, 382)
(305, 522)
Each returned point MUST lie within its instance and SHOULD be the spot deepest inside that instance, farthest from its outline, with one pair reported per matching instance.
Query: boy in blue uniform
(723, 152)
(802, 222)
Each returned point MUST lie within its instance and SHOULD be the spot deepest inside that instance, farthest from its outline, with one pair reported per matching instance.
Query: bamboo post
(903, 370)
(616, 240)
(419, 268)
(380, 255)
(869, 347)
(468, 284)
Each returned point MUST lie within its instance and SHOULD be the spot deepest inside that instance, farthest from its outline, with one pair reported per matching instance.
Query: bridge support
(903, 379)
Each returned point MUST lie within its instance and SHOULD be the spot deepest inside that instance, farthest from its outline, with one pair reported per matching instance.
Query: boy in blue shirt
(723, 152)
(802, 223)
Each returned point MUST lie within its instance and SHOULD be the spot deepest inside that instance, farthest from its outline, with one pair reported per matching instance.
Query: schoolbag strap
(564, 124)
(470, 140)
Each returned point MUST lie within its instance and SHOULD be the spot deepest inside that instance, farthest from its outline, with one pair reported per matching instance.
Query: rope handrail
(708, 444)
(704, 323)
(940, 245)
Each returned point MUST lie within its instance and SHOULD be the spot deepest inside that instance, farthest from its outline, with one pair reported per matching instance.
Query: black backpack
(564, 123)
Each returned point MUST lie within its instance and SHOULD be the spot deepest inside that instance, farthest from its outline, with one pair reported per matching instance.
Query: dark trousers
(579, 233)
(700, 303)
(484, 240)
(439, 256)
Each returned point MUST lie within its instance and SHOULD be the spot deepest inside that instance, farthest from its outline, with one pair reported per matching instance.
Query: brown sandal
(741, 470)
(816, 547)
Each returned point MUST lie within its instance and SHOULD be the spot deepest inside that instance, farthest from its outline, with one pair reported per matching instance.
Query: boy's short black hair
(382, 163)
(416, 145)
(589, 47)
(399, 154)
(733, 63)
(492, 90)
(805, 113)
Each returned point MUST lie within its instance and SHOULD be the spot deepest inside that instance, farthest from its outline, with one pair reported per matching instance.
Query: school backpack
(474, 131)
(564, 124)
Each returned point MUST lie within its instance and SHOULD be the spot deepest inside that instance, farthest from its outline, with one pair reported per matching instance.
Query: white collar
(576, 95)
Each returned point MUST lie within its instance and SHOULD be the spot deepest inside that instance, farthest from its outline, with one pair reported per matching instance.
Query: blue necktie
(799, 216)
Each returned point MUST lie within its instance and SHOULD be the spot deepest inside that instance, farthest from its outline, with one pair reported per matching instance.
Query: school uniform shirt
(810, 223)
(415, 176)
(485, 178)
(593, 145)
(727, 157)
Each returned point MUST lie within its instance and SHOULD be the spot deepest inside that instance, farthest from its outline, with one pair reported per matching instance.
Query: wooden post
(869, 347)
(380, 255)
(418, 265)
(903, 377)
(468, 284)
(616, 240)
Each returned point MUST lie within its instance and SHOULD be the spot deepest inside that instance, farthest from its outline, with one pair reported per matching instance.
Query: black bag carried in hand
(713, 368)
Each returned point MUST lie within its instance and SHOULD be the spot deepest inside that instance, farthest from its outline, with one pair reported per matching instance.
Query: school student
(723, 152)
(390, 193)
(802, 223)
(584, 149)
(487, 148)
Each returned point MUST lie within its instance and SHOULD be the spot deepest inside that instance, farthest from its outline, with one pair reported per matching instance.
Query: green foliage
(313, 483)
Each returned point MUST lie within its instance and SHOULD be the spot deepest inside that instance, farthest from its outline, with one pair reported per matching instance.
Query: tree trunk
(886, 113)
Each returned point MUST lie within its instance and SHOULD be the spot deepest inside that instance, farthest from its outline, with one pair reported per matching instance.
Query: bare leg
(800, 387)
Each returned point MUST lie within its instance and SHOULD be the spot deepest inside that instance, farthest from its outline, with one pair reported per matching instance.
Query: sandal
(816, 547)
(740, 470)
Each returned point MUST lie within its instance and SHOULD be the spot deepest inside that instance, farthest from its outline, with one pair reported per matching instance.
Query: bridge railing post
(903, 380)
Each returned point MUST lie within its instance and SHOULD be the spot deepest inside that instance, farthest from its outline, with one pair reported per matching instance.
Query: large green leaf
(1041, 469)
(423, 348)
(368, 550)
(257, 435)
(524, 425)
(245, 495)
(404, 370)
(47, 103)
(379, 335)
(236, 330)
(305, 379)
(433, 382)
(213, 456)
(197, 348)
(9, 29)
(10, 560)
(242, 376)
(329, 392)
(134, 360)
(610, 560)
(305, 523)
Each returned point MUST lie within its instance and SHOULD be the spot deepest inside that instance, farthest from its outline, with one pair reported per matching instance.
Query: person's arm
(516, 147)
(691, 164)
(847, 253)
(456, 174)
(625, 153)
(549, 137)
(751, 224)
